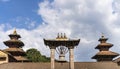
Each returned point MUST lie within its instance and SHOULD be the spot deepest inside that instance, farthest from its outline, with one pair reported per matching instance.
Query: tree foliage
(35, 56)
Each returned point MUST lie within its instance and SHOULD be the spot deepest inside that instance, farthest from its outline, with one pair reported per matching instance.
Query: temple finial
(61, 35)
(102, 35)
(65, 36)
(58, 36)
(15, 32)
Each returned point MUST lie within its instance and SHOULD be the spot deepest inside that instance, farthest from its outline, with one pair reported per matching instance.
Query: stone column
(71, 58)
(52, 54)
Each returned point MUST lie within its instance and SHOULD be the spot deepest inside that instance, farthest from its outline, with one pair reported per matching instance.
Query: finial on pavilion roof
(65, 36)
(58, 36)
(61, 36)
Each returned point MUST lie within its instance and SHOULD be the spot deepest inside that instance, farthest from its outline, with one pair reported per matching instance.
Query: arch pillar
(71, 57)
(52, 57)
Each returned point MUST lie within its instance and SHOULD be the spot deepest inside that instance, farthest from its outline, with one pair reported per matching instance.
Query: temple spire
(15, 32)
(102, 35)
(103, 39)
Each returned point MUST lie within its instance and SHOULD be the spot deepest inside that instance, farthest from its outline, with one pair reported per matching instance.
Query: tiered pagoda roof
(15, 47)
(104, 54)
(14, 42)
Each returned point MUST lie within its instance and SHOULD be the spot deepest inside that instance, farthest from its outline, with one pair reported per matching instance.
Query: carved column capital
(52, 47)
(70, 47)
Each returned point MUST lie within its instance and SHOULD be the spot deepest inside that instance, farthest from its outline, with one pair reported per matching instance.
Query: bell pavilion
(14, 56)
(63, 42)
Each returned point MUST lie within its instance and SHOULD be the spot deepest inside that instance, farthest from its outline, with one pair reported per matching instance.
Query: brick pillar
(71, 58)
(52, 54)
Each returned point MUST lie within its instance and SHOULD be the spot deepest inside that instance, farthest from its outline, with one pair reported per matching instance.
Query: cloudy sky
(84, 19)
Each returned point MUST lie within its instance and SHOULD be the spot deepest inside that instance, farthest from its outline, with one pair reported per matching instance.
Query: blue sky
(10, 10)
(79, 19)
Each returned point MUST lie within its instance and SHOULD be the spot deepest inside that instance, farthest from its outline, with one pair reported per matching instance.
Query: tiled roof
(105, 44)
(9, 42)
(117, 60)
(20, 58)
(107, 53)
(14, 49)
(14, 41)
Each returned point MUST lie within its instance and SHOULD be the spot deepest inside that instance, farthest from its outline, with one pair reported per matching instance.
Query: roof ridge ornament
(65, 36)
(61, 36)
(58, 36)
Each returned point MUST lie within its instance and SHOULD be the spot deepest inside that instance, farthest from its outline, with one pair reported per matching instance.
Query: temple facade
(14, 56)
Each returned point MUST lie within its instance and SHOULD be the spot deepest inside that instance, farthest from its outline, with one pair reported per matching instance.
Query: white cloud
(23, 22)
(116, 5)
(84, 19)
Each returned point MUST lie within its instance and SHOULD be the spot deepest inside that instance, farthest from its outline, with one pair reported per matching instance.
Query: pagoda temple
(104, 54)
(15, 47)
